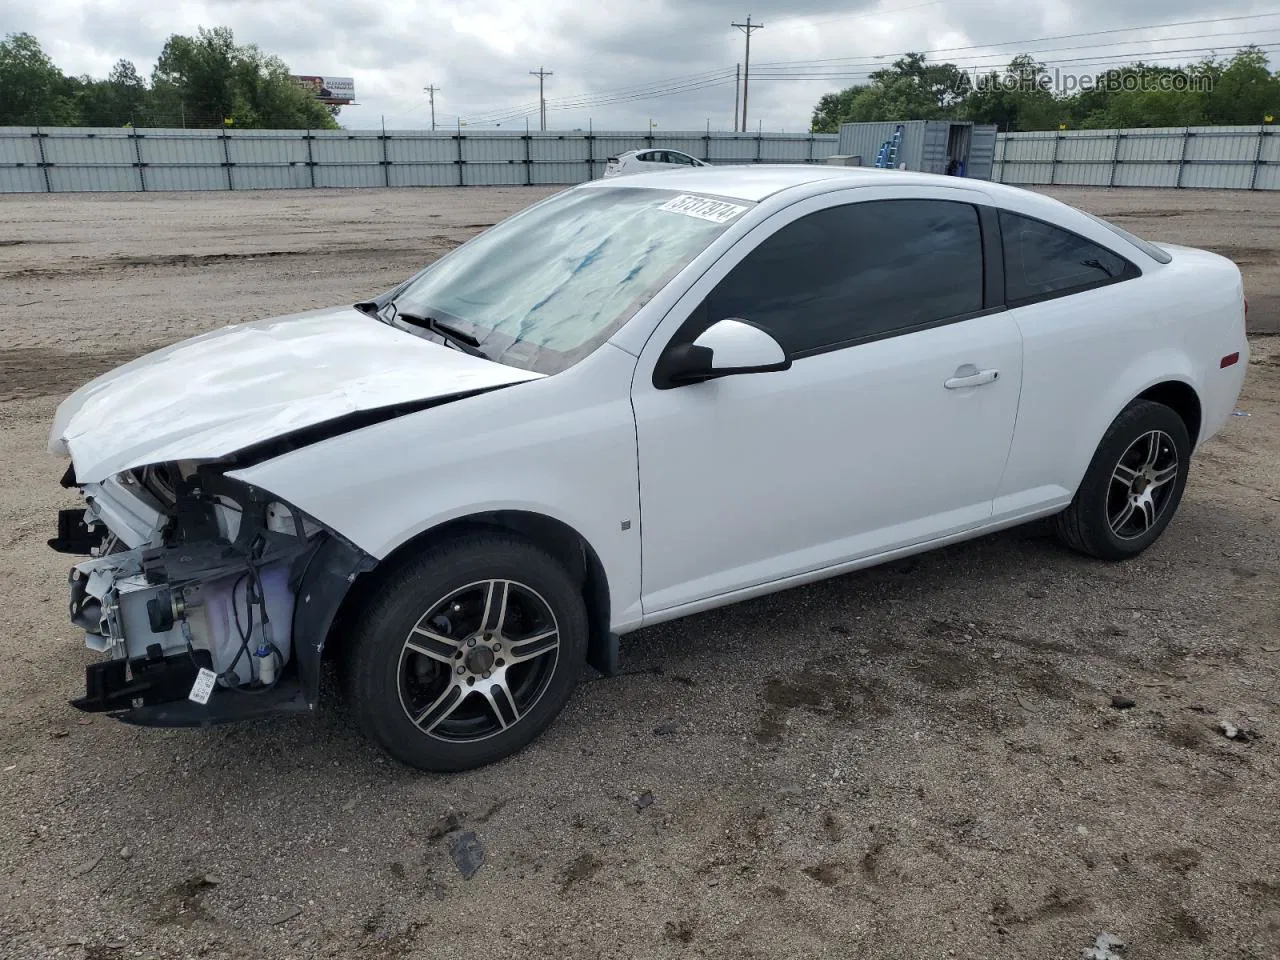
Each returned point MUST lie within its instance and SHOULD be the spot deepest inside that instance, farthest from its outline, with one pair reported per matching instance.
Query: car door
(892, 426)
(1086, 326)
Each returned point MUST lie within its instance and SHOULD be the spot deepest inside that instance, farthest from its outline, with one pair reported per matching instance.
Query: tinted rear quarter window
(1043, 261)
(858, 272)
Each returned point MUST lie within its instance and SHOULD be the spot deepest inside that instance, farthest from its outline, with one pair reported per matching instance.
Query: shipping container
(928, 146)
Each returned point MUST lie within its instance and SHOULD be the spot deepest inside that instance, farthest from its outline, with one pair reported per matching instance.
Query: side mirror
(726, 348)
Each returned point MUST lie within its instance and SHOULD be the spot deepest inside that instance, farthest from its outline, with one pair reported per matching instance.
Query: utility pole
(541, 74)
(431, 92)
(737, 92)
(746, 72)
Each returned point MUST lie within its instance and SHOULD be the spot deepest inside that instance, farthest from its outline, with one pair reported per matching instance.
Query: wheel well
(560, 540)
(1182, 399)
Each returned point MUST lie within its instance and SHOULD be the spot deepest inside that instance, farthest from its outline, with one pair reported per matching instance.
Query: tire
(1133, 485)
(442, 688)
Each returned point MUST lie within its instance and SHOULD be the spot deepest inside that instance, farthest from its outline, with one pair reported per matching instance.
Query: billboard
(334, 90)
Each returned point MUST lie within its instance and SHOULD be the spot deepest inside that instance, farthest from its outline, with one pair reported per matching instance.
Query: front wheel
(465, 655)
(1133, 486)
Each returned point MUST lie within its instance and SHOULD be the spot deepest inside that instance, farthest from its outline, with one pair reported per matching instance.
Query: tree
(35, 91)
(1243, 90)
(1019, 99)
(912, 89)
(212, 79)
(121, 98)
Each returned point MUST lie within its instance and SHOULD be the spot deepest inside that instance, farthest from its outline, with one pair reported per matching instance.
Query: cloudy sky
(610, 58)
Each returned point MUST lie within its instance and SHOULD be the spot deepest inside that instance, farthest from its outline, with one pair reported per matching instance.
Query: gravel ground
(921, 761)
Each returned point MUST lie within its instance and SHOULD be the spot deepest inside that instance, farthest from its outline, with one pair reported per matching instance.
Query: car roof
(754, 182)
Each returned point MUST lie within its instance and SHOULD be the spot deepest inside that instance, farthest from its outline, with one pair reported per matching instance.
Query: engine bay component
(194, 572)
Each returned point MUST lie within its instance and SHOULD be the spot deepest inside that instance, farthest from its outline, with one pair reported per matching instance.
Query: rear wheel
(467, 654)
(1133, 486)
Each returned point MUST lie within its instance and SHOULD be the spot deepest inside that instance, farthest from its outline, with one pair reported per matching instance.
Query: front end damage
(197, 581)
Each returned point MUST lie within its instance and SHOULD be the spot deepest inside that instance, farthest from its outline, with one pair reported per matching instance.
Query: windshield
(544, 288)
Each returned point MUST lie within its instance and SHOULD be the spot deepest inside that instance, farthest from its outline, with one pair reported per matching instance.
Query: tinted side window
(1043, 261)
(858, 272)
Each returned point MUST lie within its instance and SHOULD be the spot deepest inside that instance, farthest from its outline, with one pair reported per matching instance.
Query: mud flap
(602, 653)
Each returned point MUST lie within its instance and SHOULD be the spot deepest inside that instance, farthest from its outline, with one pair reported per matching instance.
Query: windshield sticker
(717, 211)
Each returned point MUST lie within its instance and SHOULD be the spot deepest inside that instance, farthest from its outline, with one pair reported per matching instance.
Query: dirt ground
(921, 761)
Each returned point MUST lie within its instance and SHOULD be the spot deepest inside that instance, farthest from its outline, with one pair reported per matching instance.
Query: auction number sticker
(717, 211)
(202, 689)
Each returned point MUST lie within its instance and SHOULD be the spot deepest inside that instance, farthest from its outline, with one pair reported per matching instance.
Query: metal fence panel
(22, 180)
(1146, 175)
(416, 148)
(116, 159)
(1028, 147)
(494, 174)
(552, 173)
(19, 145)
(492, 149)
(1079, 147)
(560, 149)
(611, 144)
(694, 144)
(270, 177)
(1221, 176)
(76, 147)
(784, 149)
(1149, 146)
(192, 147)
(1083, 174)
(350, 175)
(267, 149)
(1026, 173)
(340, 147)
(1232, 158)
(1270, 152)
(424, 174)
(733, 148)
(94, 179)
(1223, 145)
(187, 177)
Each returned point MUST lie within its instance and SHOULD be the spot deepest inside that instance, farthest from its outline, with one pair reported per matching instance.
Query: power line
(1015, 43)
(542, 75)
(746, 28)
(517, 114)
(431, 93)
(810, 69)
(568, 102)
(832, 73)
(1225, 38)
(656, 89)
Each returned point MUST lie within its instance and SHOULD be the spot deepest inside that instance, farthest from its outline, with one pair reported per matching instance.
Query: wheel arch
(1182, 398)
(569, 548)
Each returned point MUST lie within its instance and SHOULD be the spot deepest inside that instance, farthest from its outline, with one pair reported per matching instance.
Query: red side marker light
(1230, 361)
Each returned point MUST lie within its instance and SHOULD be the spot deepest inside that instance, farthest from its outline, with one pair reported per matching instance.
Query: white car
(647, 161)
(625, 404)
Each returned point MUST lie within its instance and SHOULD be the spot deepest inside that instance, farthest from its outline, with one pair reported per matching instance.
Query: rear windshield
(1150, 249)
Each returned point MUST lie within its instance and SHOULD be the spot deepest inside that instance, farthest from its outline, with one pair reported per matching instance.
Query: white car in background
(647, 161)
(628, 403)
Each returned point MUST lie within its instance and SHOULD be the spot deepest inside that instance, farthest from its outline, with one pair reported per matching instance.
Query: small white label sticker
(202, 689)
(717, 211)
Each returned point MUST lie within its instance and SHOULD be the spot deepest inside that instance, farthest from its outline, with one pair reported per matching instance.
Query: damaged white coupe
(625, 404)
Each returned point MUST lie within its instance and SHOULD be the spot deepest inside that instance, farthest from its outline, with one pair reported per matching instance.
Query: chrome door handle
(975, 380)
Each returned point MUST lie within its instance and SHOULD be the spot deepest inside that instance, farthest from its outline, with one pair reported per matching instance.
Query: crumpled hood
(212, 395)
